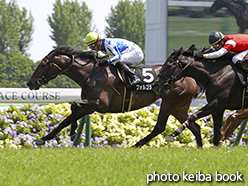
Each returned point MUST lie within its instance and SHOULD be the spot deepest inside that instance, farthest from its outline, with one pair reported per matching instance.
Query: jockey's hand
(199, 55)
(103, 62)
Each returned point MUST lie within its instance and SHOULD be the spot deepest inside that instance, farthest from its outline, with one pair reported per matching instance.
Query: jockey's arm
(113, 49)
(229, 45)
(215, 54)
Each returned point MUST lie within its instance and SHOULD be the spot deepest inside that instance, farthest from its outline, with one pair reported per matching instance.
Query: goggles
(92, 45)
(217, 43)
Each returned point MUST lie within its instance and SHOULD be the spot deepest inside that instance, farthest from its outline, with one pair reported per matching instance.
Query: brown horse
(236, 7)
(232, 122)
(223, 87)
(103, 91)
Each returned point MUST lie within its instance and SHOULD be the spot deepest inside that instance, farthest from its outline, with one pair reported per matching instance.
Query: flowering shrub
(20, 127)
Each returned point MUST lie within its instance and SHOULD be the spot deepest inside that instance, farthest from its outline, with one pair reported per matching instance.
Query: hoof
(170, 139)
(73, 136)
(40, 142)
(137, 145)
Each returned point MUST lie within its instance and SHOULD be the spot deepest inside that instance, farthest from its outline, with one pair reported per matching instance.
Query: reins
(105, 75)
(173, 79)
(42, 79)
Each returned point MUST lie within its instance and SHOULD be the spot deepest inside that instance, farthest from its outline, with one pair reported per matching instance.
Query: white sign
(45, 95)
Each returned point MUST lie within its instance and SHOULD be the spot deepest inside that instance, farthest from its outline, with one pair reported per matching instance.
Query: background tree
(15, 70)
(26, 31)
(127, 20)
(70, 23)
(16, 28)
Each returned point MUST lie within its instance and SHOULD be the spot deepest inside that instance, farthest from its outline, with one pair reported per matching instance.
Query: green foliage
(22, 126)
(127, 129)
(70, 23)
(26, 31)
(15, 70)
(127, 20)
(16, 28)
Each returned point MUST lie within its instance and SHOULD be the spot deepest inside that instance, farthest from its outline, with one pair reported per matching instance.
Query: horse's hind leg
(231, 128)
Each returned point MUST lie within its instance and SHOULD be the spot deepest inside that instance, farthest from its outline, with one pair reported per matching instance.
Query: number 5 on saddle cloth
(147, 75)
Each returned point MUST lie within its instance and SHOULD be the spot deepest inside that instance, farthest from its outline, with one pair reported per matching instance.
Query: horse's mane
(69, 51)
(214, 64)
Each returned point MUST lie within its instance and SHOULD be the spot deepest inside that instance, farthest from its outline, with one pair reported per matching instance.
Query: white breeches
(133, 54)
(239, 57)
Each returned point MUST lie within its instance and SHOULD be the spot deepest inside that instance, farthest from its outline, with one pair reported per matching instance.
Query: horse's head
(167, 77)
(172, 69)
(50, 66)
(218, 4)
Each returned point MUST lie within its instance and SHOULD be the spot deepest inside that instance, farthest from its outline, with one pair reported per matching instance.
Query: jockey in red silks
(237, 43)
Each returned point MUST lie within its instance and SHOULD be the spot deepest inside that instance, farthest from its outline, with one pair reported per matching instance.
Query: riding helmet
(91, 38)
(215, 37)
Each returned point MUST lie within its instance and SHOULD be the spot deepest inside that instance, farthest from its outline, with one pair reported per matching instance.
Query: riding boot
(134, 79)
(244, 66)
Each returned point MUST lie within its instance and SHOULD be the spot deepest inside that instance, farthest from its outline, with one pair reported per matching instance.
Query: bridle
(172, 79)
(43, 79)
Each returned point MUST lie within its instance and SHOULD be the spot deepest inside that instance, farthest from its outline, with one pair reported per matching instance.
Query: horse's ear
(179, 52)
(192, 48)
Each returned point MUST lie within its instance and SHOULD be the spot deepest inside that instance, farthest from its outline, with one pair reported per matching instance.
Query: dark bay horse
(103, 91)
(223, 88)
(236, 7)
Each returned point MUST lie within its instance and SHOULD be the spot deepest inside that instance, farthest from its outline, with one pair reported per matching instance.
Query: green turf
(184, 31)
(116, 166)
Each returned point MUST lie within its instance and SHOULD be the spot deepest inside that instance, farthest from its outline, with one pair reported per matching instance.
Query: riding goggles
(217, 43)
(92, 45)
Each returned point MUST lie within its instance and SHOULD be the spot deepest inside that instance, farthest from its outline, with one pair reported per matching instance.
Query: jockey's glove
(103, 62)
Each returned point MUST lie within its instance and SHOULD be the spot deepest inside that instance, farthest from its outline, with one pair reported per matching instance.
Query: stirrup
(136, 81)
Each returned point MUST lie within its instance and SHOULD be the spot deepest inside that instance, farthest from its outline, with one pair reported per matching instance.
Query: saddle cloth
(147, 75)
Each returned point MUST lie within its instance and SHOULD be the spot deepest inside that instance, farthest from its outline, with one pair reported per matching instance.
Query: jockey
(237, 43)
(120, 51)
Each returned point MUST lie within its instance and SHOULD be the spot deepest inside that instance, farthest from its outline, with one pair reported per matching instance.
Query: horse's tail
(199, 91)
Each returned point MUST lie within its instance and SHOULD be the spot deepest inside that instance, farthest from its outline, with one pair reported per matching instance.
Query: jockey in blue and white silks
(119, 51)
(122, 50)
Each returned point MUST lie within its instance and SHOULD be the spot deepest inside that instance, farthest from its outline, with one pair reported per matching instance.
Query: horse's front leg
(79, 109)
(66, 122)
(159, 127)
(76, 107)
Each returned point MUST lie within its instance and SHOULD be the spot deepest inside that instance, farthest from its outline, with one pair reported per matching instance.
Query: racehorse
(237, 7)
(103, 91)
(223, 88)
(232, 122)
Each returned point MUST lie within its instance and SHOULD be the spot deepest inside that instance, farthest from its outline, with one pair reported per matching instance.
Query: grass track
(185, 31)
(115, 166)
